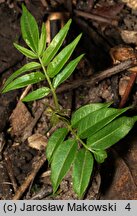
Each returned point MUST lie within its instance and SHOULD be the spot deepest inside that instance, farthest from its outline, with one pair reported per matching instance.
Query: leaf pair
(64, 154)
(35, 77)
(25, 68)
(111, 134)
(27, 30)
(66, 72)
(25, 80)
(97, 120)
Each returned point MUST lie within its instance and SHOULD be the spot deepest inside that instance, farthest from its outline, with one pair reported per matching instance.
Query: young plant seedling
(92, 129)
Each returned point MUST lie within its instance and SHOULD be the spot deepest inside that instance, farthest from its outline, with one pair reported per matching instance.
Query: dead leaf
(1, 1)
(129, 154)
(108, 11)
(131, 3)
(20, 119)
(118, 181)
(129, 36)
(123, 85)
(37, 141)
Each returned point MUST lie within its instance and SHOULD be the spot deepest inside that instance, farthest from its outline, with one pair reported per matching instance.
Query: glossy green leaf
(37, 94)
(85, 110)
(25, 80)
(55, 44)
(97, 120)
(42, 40)
(59, 61)
(29, 29)
(100, 155)
(54, 141)
(26, 67)
(62, 161)
(82, 169)
(111, 133)
(28, 53)
(66, 72)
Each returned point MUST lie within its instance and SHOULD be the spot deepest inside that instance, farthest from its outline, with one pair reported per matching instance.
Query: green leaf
(82, 169)
(66, 72)
(28, 53)
(54, 141)
(100, 155)
(111, 133)
(29, 29)
(25, 80)
(42, 40)
(97, 120)
(62, 161)
(84, 111)
(59, 61)
(37, 94)
(26, 67)
(55, 44)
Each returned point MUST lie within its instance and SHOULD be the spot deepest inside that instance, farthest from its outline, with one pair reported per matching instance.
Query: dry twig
(97, 77)
(98, 18)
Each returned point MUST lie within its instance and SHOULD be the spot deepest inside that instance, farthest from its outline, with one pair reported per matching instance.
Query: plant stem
(77, 137)
(50, 85)
(73, 132)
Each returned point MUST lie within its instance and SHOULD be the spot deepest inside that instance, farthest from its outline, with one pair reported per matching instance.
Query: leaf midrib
(64, 163)
(82, 172)
(95, 143)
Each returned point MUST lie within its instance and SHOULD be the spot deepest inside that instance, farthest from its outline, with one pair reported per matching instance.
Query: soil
(25, 128)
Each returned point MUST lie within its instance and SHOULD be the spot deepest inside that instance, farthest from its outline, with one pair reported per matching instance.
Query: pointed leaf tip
(82, 170)
(59, 61)
(24, 80)
(62, 161)
(42, 40)
(111, 133)
(55, 44)
(28, 53)
(66, 72)
(29, 29)
(86, 110)
(37, 94)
